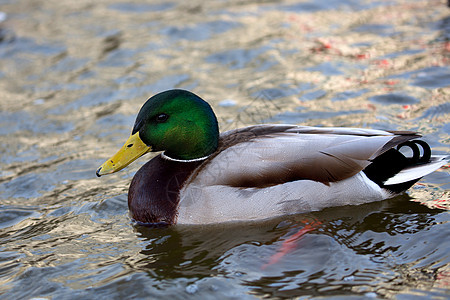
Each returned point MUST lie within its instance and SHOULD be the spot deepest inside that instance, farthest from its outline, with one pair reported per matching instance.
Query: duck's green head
(177, 122)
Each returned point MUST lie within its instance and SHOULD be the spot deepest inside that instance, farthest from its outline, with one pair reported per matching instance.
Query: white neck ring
(183, 160)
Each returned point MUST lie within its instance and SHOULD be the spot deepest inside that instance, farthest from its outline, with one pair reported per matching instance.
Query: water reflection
(347, 250)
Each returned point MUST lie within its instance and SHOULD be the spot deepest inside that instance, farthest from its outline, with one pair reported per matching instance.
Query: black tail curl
(393, 161)
(417, 158)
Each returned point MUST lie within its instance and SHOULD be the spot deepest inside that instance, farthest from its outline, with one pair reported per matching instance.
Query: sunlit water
(73, 75)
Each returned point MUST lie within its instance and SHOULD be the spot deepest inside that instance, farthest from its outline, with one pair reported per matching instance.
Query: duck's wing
(266, 155)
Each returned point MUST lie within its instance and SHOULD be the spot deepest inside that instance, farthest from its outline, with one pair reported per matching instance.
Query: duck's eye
(161, 118)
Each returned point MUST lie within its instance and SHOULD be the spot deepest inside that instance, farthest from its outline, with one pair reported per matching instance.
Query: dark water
(73, 75)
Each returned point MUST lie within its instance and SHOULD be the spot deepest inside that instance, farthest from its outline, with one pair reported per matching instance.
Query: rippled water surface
(73, 75)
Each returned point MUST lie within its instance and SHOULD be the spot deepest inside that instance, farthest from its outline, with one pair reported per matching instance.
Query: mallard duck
(257, 172)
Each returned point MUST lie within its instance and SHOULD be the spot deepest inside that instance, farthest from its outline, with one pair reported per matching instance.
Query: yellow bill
(133, 148)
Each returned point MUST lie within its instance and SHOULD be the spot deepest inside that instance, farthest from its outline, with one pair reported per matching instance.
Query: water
(74, 74)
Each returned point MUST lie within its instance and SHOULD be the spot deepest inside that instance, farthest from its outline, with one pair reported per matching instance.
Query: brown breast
(153, 196)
